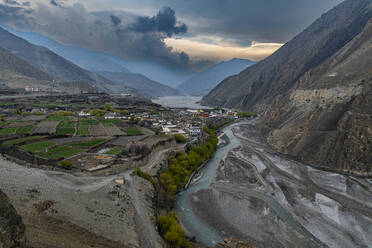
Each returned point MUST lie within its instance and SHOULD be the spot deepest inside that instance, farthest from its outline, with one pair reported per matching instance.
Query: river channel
(323, 204)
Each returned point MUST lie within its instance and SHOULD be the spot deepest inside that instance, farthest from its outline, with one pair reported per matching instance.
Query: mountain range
(206, 80)
(315, 93)
(99, 61)
(59, 69)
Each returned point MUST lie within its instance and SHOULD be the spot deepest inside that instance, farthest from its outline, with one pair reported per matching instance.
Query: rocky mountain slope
(16, 73)
(206, 80)
(99, 61)
(278, 73)
(141, 83)
(12, 229)
(60, 70)
(315, 92)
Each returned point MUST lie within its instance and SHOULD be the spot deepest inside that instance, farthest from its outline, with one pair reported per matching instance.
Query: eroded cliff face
(326, 119)
(12, 230)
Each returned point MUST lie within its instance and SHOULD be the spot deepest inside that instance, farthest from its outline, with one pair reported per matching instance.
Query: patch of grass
(83, 130)
(88, 144)
(37, 147)
(5, 131)
(110, 121)
(25, 130)
(53, 150)
(115, 150)
(65, 131)
(107, 124)
(21, 140)
(66, 153)
(132, 131)
(66, 124)
(89, 121)
(2, 123)
(4, 104)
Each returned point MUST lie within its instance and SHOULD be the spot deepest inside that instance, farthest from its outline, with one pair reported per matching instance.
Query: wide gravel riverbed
(250, 192)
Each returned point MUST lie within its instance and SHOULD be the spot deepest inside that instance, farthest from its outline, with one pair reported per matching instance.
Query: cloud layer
(133, 37)
(184, 36)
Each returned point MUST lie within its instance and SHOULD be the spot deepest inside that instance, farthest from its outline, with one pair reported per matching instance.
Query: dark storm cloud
(11, 2)
(105, 31)
(165, 22)
(52, 2)
(243, 20)
(115, 20)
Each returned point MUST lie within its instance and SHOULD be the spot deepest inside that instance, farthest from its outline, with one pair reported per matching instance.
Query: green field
(4, 104)
(132, 131)
(65, 131)
(59, 152)
(89, 121)
(21, 140)
(115, 150)
(66, 153)
(56, 118)
(83, 130)
(37, 146)
(5, 131)
(88, 144)
(66, 124)
(25, 130)
(107, 124)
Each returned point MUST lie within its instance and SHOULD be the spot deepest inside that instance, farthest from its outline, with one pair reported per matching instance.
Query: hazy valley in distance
(186, 124)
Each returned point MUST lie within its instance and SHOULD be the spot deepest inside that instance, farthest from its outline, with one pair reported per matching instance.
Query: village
(96, 133)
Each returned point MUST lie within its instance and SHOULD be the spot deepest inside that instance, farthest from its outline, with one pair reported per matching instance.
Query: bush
(171, 230)
(180, 138)
(66, 164)
(65, 113)
(145, 176)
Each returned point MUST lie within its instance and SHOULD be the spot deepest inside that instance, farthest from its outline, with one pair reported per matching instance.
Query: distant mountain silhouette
(206, 80)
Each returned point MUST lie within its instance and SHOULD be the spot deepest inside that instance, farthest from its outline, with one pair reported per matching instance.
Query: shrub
(171, 230)
(180, 138)
(145, 176)
(66, 164)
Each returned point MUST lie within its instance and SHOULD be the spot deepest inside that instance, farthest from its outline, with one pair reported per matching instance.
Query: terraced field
(46, 127)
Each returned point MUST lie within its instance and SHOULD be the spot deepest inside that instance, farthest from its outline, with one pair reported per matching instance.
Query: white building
(83, 113)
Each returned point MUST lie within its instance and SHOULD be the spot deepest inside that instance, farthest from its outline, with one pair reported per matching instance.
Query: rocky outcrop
(12, 230)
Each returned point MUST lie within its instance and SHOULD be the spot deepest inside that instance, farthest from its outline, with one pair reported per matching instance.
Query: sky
(186, 35)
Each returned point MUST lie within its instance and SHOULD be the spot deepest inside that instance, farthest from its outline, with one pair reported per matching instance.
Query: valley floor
(263, 197)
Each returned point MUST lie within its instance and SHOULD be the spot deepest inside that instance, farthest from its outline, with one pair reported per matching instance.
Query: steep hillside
(141, 83)
(206, 80)
(89, 60)
(278, 73)
(98, 61)
(57, 67)
(327, 118)
(11, 64)
(315, 93)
